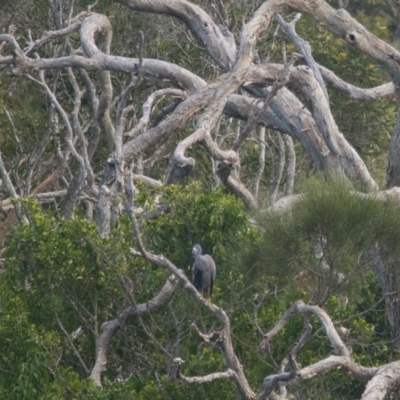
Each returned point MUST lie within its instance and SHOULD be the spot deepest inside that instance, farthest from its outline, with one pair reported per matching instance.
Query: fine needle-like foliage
(323, 241)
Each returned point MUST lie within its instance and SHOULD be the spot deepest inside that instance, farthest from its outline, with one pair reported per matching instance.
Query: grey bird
(204, 271)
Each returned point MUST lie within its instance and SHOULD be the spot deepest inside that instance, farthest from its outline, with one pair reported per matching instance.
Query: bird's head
(196, 249)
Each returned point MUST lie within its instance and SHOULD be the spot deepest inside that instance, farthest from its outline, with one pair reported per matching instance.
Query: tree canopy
(268, 132)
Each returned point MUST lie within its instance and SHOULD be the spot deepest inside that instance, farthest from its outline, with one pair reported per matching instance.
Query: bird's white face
(195, 250)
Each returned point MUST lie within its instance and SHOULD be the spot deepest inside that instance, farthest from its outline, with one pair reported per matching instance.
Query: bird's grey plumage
(204, 271)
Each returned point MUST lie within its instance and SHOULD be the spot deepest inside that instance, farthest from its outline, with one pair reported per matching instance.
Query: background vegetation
(59, 275)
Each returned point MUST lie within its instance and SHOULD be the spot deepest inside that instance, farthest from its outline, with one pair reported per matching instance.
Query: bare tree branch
(225, 342)
(11, 191)
(74, 349)
(147, 108)
(109, 329)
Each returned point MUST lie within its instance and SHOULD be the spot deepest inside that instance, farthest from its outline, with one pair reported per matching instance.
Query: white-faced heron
(204, 271)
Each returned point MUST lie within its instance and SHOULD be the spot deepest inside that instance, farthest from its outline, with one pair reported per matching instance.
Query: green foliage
(58, 268)
(214, 219)
(325, 235)
(61, 269)
(306, 254)
(55, 269)
(195, 215)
